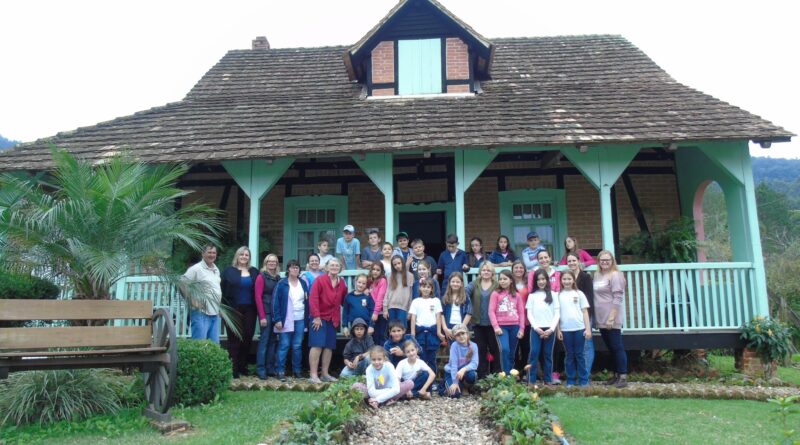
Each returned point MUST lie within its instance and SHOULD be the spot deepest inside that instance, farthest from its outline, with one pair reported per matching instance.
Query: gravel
(438, 421)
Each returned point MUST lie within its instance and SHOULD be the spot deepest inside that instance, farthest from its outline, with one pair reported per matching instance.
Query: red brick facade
(457, 56)
(383, 63)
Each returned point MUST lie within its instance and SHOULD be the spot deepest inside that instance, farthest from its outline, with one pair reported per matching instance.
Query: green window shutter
(420, 66)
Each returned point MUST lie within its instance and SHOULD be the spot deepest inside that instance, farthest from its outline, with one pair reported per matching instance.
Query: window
(419, 66)
(310, 219)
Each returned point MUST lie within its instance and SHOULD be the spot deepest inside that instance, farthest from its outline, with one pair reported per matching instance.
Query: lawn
(240, 417)
(724, 363)
(650, 421)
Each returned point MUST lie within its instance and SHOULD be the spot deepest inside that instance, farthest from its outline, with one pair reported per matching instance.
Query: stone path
(439, 421)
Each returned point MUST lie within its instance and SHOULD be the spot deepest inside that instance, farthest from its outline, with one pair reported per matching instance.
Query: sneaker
(569, 385)
(612, 380)
(556, 380)
(622, 382)
(282, 377)
(297, 375)
(329, 379)
(262, 376)
(314, 380)
(434, 387)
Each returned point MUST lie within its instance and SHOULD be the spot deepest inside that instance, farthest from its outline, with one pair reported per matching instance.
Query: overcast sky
(67, 64)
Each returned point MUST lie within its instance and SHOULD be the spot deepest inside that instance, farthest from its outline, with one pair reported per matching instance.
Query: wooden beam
(634, 199)
(75, 337)
(20, 310)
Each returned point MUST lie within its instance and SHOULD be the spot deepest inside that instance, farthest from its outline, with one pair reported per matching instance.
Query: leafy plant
(675, 243)
(204, 372)
(20, 286)
(49, 396)
(770, 338)
(785, 406)
(328, 420)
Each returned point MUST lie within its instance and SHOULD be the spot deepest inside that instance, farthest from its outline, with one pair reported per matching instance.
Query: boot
(622, 381)
(612, 380)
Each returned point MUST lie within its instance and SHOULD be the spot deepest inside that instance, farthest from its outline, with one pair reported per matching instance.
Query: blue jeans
(262, 355)
(469, 378)
(399, 314)
(588, 354)
(613, 340)
(545, 348)
(575, 363)
(419, 382)
(204, 326)
(508, 345)
(295, 340)
(361, 369)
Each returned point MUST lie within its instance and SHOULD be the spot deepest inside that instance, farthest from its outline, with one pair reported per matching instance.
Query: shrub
(26, 287)
(204, 371)
(49, 396)
(329, 420)
(770, 338)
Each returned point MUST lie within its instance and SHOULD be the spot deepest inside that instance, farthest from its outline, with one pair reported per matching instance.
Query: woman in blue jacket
(238, 291)
(290, 312)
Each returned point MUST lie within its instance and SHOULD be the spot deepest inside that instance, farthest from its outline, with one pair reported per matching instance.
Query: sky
(69, 64)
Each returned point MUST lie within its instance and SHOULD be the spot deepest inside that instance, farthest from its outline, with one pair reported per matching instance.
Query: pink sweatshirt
(506, 309)
(377, 291)
(583, 255)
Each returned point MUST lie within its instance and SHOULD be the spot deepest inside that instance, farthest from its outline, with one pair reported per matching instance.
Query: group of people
(397, 315)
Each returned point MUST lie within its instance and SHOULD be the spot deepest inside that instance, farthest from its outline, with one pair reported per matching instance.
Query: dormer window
(419, 66)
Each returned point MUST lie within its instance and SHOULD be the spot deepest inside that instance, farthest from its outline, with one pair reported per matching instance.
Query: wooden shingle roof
(300, 103)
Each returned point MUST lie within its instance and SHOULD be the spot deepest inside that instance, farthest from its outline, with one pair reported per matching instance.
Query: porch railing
(660, 297)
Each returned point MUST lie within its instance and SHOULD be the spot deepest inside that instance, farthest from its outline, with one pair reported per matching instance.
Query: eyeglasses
(605, 261)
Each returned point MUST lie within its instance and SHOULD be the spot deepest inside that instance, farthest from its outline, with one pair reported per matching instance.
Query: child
(544, 264)
(530, 254)
(394, 345)
(503, 255)
(476, 255)
(424, 273)
(356, 351)
(383, 387)
(387, 250)
(521, 285)
(358, 304)
(417, 256)
(372, 253)
(377, 289)
(456, 307)
(506, 314)
(425, 312)
(461, 368)
(543, 314)
(313, 269)
(324, 256)
(451, 260)
(574, 328)
(571, 246)
(416, 371)
(398, 295)
(402, 246)
(348, 248)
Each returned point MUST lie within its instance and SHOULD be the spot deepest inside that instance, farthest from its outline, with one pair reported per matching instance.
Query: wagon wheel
(159, 384)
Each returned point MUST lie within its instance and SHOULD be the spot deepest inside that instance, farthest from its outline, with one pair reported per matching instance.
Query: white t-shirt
(426, 310)
(407, 371)
(297, 296)
(541, 314)
(455, 315)
(207, 280)
(572, 304)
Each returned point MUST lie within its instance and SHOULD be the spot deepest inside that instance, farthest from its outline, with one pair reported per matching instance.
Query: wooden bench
(149, 344)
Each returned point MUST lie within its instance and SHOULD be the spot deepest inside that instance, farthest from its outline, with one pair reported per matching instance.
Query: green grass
(240, 417)
(724, 363)
(650, 421)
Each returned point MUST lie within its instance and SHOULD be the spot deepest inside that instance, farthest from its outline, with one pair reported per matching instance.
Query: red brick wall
(457, 56)
(383, 63)
(383, 92)
(458, 88)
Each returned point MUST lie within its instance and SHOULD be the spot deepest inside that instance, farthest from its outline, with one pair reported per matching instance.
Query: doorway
(430, 227)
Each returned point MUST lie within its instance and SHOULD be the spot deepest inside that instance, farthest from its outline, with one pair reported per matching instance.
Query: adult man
(202, 287)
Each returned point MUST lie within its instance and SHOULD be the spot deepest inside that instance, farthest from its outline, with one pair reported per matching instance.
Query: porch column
(469, 164)
(602, 166)
(378, 166)
(256, 178)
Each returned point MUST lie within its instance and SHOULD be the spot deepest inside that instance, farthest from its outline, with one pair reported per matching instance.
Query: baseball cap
(533, 235)
(349, 228)
(401, 235)
(460, 328)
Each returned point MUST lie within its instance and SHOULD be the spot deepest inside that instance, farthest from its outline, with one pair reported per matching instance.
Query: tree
(91, 225)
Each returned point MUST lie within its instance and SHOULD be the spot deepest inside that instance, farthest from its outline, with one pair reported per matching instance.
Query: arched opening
(711, 223)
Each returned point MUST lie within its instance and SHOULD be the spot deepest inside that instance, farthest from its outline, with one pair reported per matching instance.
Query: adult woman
(503, 255)
(571, 246)
(520, 275)
(290, 309)
(584, 284)
(398, 293)
(377, 290)
(480, 292)
(267, 342)
(313, 270)
(238, 292)
(609, 311)
(476, 255)
(325, 302)
(544, 263)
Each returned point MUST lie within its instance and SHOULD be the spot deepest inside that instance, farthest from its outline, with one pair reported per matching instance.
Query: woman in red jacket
(325, 302)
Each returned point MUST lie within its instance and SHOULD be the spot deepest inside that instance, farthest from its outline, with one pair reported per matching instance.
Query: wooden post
(379, 168)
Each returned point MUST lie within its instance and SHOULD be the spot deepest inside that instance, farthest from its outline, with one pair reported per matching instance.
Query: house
(427, 126)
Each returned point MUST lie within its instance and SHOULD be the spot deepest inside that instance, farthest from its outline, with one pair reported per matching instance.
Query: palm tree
(90, 225)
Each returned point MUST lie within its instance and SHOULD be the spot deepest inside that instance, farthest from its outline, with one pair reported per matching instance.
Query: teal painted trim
(255, 178)
(449, 209)
(727, 157)
(607, 219)
(559, 212)
(760, 278)
(378, 166)
(419, 66)
(290, 226)
(685, 266)
(468, 164)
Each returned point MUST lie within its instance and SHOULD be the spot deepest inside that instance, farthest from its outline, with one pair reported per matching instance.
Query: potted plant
(769, 339)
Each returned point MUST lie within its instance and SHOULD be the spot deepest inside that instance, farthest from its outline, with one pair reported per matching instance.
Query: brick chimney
(260, 42)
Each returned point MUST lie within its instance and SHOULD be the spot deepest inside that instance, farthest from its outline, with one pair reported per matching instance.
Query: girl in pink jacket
(507, 315)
